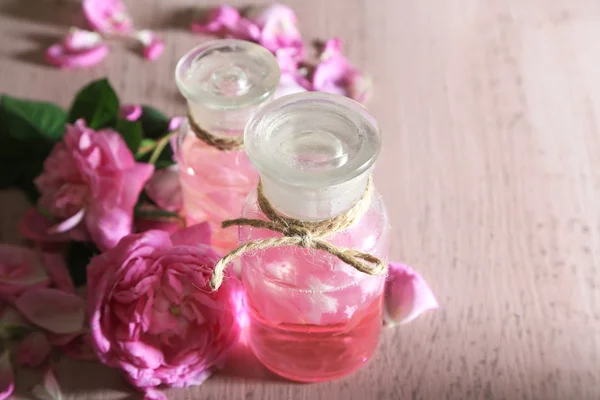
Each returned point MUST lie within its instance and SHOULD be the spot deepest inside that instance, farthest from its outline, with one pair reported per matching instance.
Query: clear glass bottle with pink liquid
(313, 317)
(224, 81)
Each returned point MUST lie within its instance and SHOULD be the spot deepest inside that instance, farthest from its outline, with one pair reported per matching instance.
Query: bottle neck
(225, 122)
(313, 204)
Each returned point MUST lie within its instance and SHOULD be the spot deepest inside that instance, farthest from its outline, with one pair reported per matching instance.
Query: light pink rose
(407, 295)
(90, 185)
(79, 49)
(225, 21)
(152, 313)
(107, 16)
(278, 26)
(335, 74)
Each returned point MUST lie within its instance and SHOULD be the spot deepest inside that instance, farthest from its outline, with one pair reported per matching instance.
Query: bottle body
(312, 317)
(214, 185)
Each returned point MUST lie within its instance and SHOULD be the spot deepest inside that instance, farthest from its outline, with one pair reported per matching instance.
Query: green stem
(156, 213)
(160, 146)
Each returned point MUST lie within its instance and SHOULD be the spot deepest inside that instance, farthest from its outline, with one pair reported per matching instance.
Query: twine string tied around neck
(305, 234)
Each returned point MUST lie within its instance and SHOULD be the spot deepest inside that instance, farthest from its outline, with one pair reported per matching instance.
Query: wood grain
(490, 169)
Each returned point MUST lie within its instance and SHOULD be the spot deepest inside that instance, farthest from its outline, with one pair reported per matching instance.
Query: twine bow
(306, 234)
(223, 143)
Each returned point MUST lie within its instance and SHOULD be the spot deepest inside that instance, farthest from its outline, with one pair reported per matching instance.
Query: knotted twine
(305, 234)
(223, 143)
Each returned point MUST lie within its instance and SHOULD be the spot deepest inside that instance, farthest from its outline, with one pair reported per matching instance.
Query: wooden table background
(490, 169)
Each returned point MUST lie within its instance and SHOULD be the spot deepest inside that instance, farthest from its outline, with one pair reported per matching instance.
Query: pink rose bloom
(153, 314)
(107, 16)
(90, 185)
(407, 295)
(335, 74)
(79, 49)
(278, 26)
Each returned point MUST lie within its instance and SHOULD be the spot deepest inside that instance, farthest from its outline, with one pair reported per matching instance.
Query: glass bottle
(313, 317)
(223, 81)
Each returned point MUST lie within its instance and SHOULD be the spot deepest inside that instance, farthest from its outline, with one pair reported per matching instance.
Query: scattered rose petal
(278, 26)
(20, 269)
(49, 390)
(153, 46)
(56, 267)
(164, 189)
(131, 112)
(407, 295)
(225, 21)
(107, 16)
(79, 49)
(33, 349)
(52, 309)
(335, 74)
(7, 378)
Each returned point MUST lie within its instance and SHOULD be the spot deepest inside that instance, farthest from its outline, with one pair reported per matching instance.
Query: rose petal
(407, 295)
(81, 39)
(165, 190)
(49, 390)
(278, 26)
(107, 16)
(335, 74)
(171, 225)
(7, 378)
(51, 309)
(56, 267)
(131, 112)
(68, 223)
(153, 46)
(20, 269)
(33, 350)
(199, 234)
(61, 57)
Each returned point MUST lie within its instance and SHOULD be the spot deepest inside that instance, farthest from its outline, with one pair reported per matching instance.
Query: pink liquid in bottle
(223, 81)
(313, 317)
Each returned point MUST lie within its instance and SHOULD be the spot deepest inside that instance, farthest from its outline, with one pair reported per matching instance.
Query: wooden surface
(490, 169)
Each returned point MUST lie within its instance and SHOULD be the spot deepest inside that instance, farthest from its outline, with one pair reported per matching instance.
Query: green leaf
(27, 121)
(154, 123)
(131, 132)
(78, 258)
(97, 103)
(28, 131)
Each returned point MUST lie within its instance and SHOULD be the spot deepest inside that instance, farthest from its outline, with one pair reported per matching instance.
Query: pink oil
(315, 353)
(215, 185)
(312, 317)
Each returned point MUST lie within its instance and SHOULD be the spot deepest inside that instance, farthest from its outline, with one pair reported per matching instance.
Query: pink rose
(107, 16)
(89, 186)
(152, 312)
